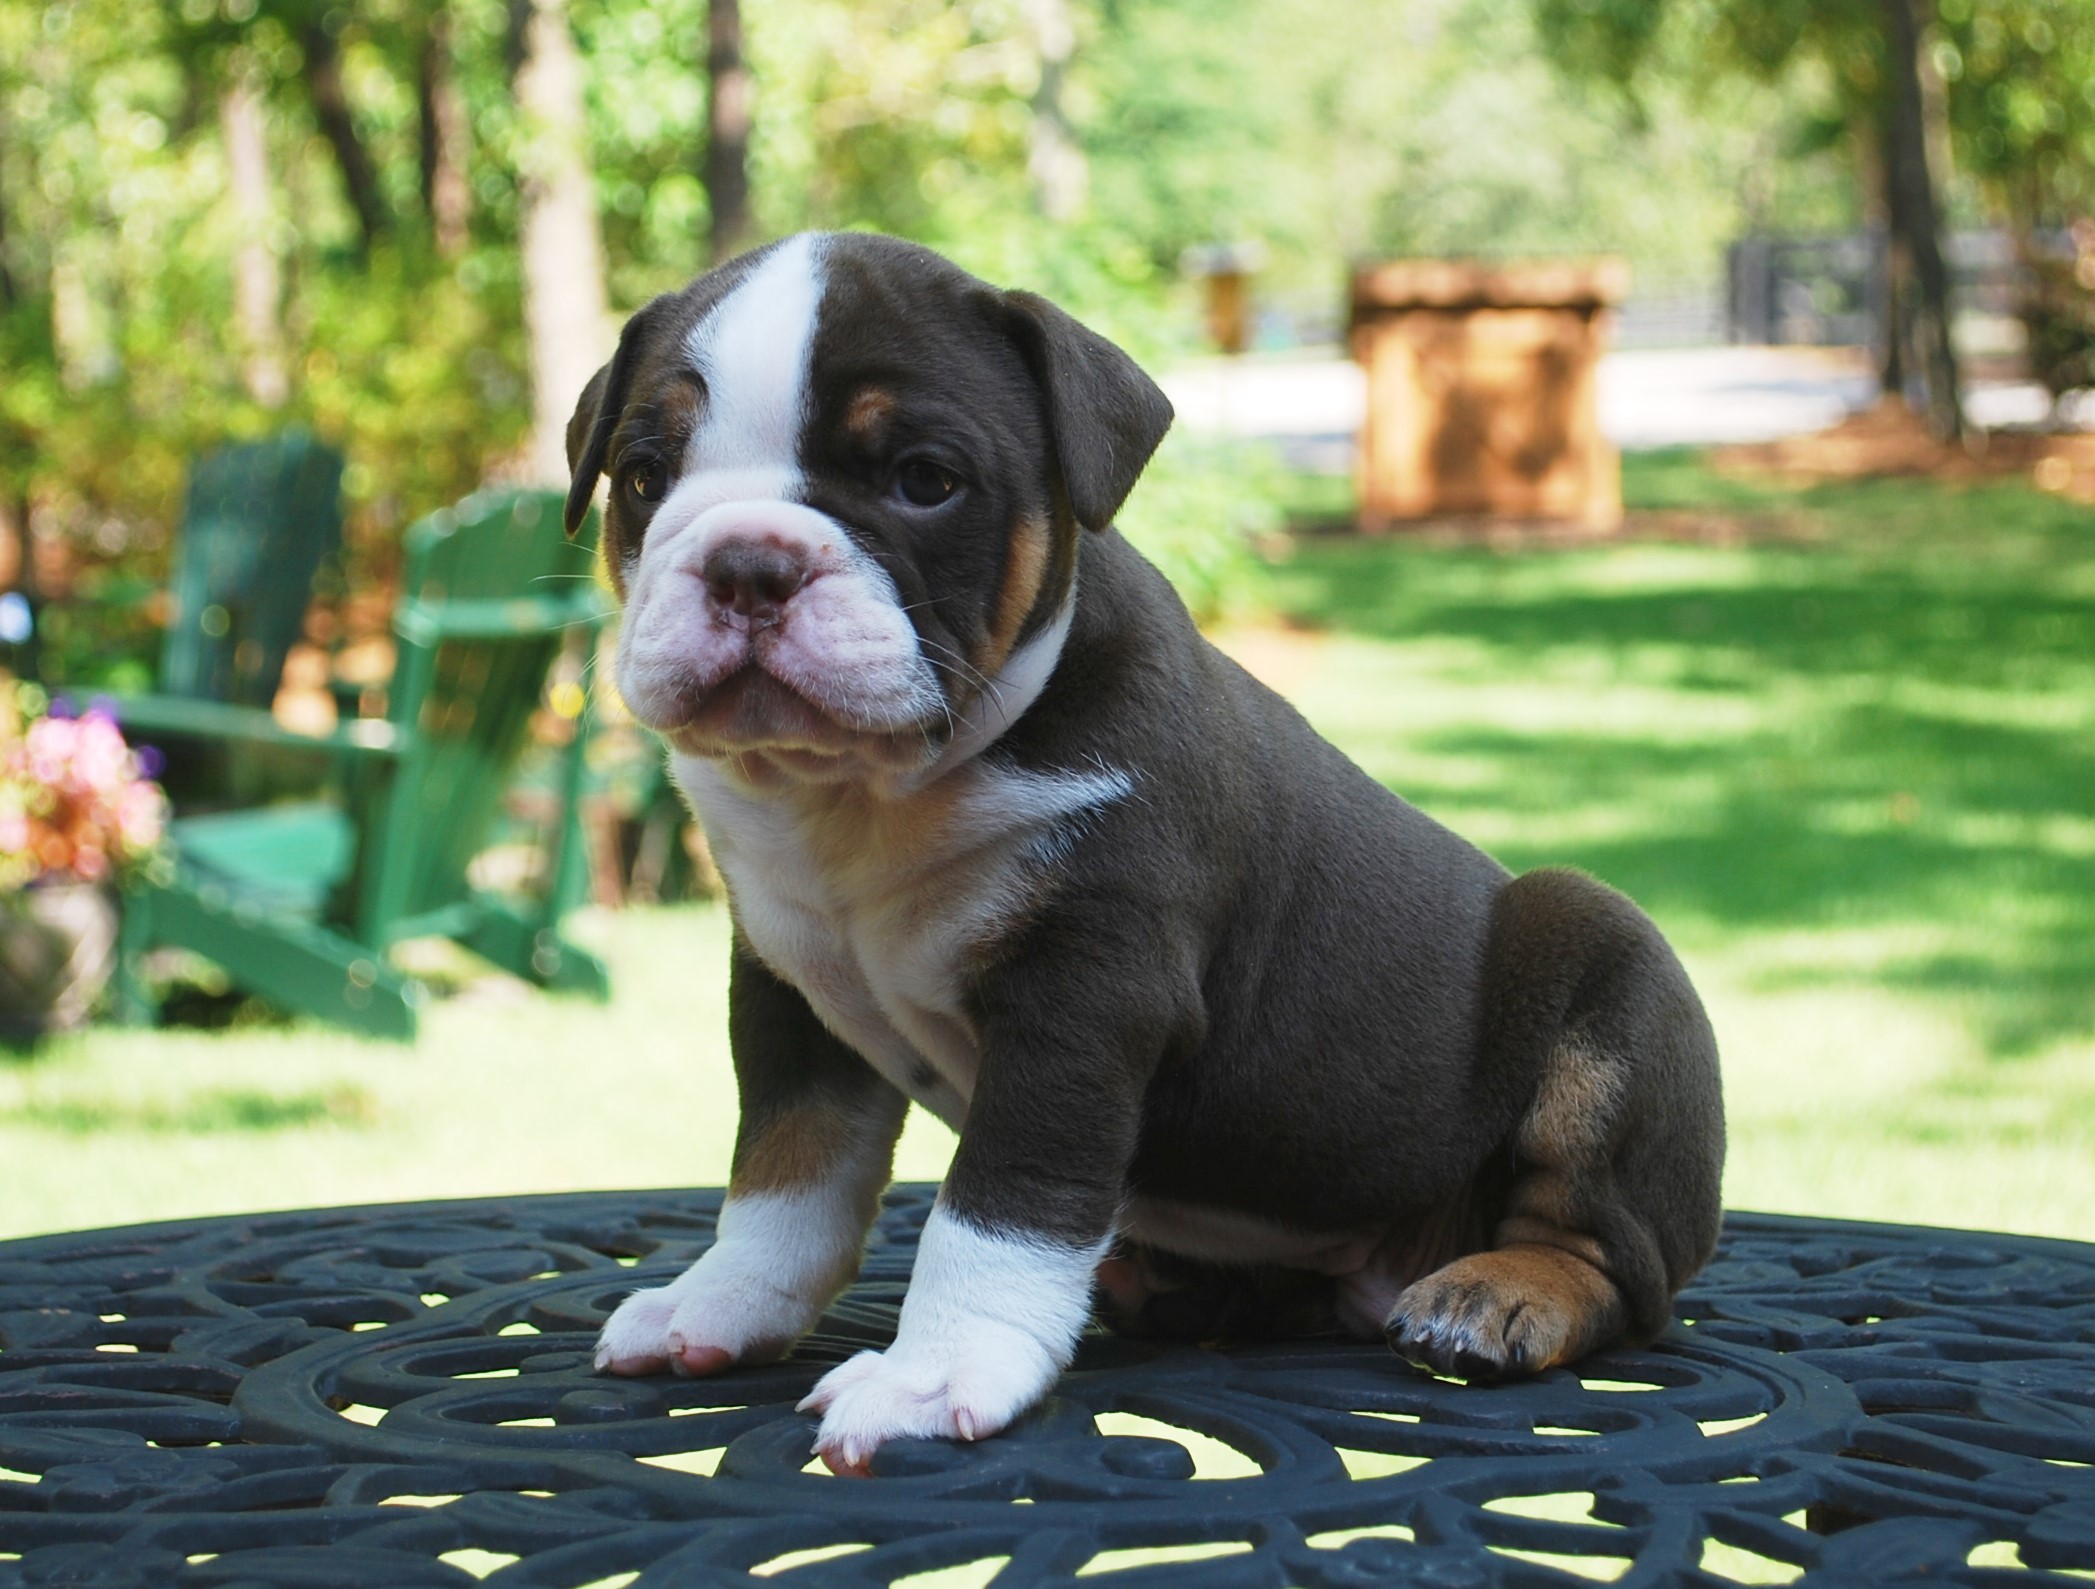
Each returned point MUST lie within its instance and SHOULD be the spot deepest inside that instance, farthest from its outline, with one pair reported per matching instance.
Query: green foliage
(1333, 130)
(647, 118)
(2021, 79)
(1326, 129)
(2018, 75)
(122, 361)
(907, 116)
(1200, 511)
(422, 369)
(1819, 64)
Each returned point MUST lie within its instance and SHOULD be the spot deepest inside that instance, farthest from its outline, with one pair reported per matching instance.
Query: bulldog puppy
(1222, 1023)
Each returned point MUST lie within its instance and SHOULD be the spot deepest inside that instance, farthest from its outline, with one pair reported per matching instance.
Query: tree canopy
(363, 239)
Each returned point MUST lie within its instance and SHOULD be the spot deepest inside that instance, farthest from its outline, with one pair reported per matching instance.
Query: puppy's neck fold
(1002, 700)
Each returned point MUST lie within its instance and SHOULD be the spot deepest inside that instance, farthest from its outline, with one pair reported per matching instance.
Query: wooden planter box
(1483, 390)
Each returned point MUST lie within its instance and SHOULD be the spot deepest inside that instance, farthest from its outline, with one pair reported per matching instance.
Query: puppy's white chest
(875, 910)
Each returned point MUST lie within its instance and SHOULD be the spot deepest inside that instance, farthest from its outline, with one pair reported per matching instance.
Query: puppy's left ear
(596, 413)
(1107, 415)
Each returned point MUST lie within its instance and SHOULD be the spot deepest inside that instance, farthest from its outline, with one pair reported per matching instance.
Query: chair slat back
(261, 521)
(492, 589)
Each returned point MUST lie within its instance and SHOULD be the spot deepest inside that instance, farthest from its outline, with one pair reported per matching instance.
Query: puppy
(1224, 1026)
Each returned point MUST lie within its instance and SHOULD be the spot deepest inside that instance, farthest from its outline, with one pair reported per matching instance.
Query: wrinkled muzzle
(758, 625)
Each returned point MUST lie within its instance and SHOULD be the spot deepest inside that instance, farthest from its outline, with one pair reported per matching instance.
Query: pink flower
(50, 743)
(74, 800)
(141, 815)
(101, 759)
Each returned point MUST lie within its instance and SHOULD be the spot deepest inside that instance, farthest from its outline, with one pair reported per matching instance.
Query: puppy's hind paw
(1505, 1314)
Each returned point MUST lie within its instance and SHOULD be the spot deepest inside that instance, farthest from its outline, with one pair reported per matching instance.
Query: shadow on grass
(1834, 846)
(219, 1009)
(1798, 619)
(210, 1113)
(1915, 760)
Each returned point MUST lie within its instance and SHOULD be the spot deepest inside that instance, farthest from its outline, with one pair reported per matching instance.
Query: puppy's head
(846, 484)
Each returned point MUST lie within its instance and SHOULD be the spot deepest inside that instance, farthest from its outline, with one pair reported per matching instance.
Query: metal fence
(1672, 312)
(1830, 291)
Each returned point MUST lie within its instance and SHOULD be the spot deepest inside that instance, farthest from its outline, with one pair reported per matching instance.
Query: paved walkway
(1310, 402)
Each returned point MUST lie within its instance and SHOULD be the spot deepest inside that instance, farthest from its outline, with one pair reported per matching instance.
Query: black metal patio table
(401, 1396)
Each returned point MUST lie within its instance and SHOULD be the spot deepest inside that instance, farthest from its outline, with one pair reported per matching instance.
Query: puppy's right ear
(583, 441)
(597, 410)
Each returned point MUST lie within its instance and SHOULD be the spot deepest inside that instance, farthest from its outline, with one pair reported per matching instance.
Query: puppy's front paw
(693, 1327)
(966, 1389)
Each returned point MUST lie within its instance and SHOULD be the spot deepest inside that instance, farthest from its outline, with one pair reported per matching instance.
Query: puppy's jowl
(1228, 1031)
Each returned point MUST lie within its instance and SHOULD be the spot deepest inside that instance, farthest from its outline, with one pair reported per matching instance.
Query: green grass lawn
(1847, 762)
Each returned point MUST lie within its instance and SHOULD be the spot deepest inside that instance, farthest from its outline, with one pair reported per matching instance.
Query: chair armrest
(489, 617)
(194, 719)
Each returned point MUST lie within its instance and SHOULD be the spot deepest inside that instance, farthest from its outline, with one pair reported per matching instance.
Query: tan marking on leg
(1576, 1108)
(1565, 1140)
(1524, 1227)
(798, 1148)
(1545, 1194)
(1025, 569)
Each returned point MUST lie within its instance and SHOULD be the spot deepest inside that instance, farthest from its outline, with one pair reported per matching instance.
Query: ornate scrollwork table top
(401, 1396)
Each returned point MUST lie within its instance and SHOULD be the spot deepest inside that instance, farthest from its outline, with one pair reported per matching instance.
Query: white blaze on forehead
(753, 352)
(846, 646)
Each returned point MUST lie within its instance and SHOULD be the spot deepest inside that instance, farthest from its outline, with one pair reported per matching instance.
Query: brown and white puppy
(1224, 1026)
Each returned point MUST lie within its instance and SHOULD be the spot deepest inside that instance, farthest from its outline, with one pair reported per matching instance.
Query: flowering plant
(77, 804)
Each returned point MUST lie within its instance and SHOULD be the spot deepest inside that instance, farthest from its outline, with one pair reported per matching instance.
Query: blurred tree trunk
(446, 196)
(257, 281)
(323, 74)
(730, 112)
(1055, 162)
(1919, 280)
(566, 308)
(9, 294)
(1867, 139)
(15, 571)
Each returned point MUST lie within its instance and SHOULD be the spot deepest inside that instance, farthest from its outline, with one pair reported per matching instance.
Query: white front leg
(991, 1318)
(778, 1259)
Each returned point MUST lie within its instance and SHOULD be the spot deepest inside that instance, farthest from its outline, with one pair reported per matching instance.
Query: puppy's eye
(923, 483)
(647, 481)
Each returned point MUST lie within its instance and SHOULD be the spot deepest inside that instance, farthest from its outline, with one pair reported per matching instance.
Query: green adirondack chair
(300, 902)
(261, 527)
(260, 522)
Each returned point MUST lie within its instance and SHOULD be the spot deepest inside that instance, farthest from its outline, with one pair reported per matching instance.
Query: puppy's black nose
(753, 580)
